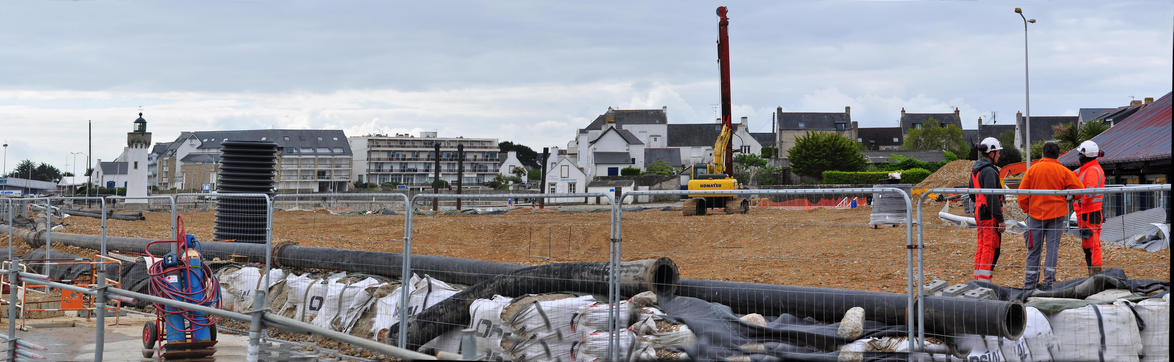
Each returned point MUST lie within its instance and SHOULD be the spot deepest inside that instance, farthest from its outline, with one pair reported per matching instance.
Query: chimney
(848, 111)
(1149, 100)
(980, 124)
(745, 120)
(1135, 102)
(855, 125)
(902, 111)
(956, 113)
(664, 108)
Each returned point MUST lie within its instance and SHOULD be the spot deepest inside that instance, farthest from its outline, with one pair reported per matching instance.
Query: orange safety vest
(1092, 176)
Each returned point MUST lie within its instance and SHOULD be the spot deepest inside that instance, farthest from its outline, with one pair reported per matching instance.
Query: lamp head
(1018, 11)
(1031, 21)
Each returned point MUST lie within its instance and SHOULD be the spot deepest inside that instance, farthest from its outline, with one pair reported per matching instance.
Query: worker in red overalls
(988, 209)
(1088, 207)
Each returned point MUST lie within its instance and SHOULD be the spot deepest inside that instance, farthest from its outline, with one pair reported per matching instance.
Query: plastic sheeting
(1155, 337)
(1079, 288)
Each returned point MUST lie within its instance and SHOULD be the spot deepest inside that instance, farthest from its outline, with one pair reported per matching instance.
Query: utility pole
(542, 183)
(89, 153)
(72, 189)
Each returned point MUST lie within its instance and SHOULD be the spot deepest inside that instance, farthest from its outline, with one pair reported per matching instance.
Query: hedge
(910, 176)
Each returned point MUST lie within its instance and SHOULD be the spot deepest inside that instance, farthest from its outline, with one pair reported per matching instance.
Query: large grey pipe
(944, 316)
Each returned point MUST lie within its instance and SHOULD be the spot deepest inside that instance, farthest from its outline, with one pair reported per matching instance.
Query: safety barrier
(1055, 328)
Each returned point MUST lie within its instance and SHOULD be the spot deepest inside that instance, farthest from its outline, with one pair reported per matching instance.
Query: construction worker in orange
(1088, 207)
(988, 209)
(1047, 214)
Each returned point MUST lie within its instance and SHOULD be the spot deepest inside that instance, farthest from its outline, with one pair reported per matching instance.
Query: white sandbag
(1096, 332)
(549, 320)
(427, 292)
(537, 349)
(387, 309)
(487, 326)
(982, 348)
(338, 298)
(312, 297)
(1037, 342)
(1155, 338)
(593, 346)
(593, 317)
(296, 286)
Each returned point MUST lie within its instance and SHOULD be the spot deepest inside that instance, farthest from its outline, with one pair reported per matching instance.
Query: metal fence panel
(954, 235)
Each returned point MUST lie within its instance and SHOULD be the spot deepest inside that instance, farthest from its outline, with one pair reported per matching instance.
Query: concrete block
(935, 286)
(954, 290)
(980, 293)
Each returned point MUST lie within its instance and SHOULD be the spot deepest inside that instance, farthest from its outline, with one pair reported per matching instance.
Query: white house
(510, 163)
(110, 174)
(647, 126)
(564, 176)
(615, 149)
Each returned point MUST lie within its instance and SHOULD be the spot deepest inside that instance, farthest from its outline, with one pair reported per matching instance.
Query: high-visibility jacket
(1092, 176)
(1047, 174)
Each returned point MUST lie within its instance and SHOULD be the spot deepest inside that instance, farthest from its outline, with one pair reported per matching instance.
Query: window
(319, 138)
(136, 165)
(554, 187)
(895, 140)
(571, 187)
(564, 171)
(917, 126)
(745, 149)
(801, 125)
(336, 138)
(858, 139)
(286, 138)
(841, 126)
(264, 138)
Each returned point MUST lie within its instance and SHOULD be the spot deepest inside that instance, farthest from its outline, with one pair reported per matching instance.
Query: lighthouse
(138, 143)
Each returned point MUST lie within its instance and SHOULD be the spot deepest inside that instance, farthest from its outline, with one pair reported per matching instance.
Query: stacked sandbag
(422, 294)
(543, 327)
(1155, 336)
(1105, 332)
(488, 327)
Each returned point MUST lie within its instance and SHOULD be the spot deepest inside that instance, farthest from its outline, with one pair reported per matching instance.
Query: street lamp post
(1026, 90)
(4, 171)
(73, 188)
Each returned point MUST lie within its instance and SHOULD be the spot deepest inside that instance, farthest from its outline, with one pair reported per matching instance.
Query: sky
(533, 72)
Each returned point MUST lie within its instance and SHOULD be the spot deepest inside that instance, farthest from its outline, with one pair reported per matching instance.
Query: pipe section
(658, 275)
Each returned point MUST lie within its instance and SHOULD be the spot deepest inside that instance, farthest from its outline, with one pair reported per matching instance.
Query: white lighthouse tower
(137, 145)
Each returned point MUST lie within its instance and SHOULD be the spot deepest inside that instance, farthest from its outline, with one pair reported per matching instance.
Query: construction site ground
(833, 248)
(71, 338)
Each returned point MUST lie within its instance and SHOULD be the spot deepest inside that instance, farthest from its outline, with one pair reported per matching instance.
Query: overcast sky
(535, 71)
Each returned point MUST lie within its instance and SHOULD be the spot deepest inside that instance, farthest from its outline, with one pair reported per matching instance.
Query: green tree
(769, 152)
(816, 152)
(527, 156)
(1068, 136)
(769, 175)
(518, 171)
(659, 167)
(534, 174)
(502, 182)
(746, 167)
(28, 170)
(390, 185)
(932, 136)
(629, 171)
(1008, 156)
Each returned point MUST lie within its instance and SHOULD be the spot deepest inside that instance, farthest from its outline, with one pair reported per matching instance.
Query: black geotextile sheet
(1080, 288)
(720, 333)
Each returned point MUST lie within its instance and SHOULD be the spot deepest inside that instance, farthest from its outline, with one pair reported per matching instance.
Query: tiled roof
(813, 120)
(114, 168)
(1087, 114)
(765, 139)
(1144, 136)
(944, 119)
(880, 136)
(625, 134)
(1041, 126)
(201, 158)
(612, 158)
(321, 141)
(670, 155)
(629, 116)
(693, 134)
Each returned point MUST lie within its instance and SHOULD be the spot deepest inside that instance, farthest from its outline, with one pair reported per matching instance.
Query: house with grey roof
(613, 150)
(695, 140)
(111, 174)
(792, 125)
(1042, 127)
(309, 160)
(670, 155)
(1087, 114)
(647, 125)
(564, 176)
(911, 121)
(880, 138)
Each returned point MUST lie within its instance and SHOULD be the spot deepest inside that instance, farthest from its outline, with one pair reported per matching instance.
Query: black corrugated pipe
(658, 275)
(944, 315)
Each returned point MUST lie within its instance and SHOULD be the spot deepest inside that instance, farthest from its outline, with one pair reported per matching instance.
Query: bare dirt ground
(821, 248)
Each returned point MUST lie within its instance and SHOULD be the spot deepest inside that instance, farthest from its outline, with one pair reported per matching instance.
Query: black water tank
(245, 167)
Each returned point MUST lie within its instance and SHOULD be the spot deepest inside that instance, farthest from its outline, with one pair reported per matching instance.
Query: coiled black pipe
(658, 275)
(944, 315)
(245, 167)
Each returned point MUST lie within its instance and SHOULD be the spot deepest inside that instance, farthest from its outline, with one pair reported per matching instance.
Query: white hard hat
(989, 144)
(1089, 149)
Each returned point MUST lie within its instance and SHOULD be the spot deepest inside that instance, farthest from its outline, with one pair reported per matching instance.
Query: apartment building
(409, 160)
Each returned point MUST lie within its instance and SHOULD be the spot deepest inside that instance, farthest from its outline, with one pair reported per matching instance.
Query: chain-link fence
(1087, 278)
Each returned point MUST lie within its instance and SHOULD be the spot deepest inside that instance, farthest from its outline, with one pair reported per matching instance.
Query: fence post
(48, 234)
(100, 300)
(406, 268)
(613, 291)
(254, 351)
(13, 278)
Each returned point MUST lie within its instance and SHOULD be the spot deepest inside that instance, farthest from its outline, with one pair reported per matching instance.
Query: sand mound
(952, 174)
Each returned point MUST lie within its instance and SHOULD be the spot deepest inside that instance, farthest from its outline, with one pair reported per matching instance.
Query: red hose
(158, 286)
